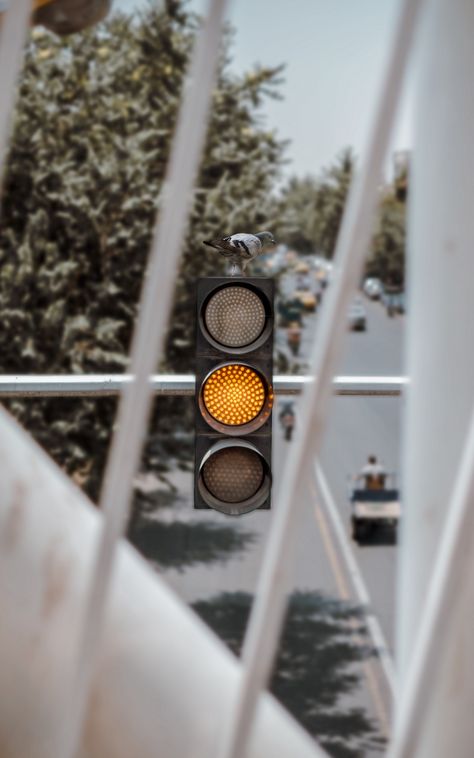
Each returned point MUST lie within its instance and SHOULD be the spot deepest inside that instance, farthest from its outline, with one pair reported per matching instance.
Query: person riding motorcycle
(294, 337)
(373, 474)
(64, 16)
(287, 420)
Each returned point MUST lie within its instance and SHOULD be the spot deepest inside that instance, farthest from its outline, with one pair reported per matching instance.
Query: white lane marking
(345, 594)
(358, 582)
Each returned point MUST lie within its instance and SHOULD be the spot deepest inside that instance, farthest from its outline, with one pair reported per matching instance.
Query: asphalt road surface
(331, 672)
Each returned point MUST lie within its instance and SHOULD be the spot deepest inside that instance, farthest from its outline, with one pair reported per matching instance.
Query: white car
(373, 288)
(357, 317)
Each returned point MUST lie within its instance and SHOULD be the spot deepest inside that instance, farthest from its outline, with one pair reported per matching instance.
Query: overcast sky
(334, 52)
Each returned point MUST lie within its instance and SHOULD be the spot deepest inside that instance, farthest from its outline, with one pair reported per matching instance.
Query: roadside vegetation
(310, 213)
(93, 128)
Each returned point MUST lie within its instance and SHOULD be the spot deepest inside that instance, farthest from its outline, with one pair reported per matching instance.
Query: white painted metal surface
(262, 637)
(434, 675)
(162, 683)
(12, 39)
(440, 360)
(182, 384)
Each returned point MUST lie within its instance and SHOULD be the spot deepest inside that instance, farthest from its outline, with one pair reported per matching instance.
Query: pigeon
(241, 247)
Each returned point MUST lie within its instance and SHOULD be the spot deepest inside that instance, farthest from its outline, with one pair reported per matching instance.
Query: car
(357, 317)
(322, 277)
(394, 301)
(302, 268)
(373, 288)
(290, 311)
(307, 299)
(304, 282)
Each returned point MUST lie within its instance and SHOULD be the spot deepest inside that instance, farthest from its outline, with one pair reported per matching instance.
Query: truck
(373, 507)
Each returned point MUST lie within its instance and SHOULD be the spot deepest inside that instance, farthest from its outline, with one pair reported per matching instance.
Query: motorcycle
(294, 338)
(287, 420)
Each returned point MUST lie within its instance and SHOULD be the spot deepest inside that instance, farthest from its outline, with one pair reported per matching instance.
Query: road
(359, 427)
(327, 673)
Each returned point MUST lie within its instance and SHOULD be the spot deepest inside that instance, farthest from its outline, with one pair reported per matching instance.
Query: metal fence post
(163, 682)
(440, 358)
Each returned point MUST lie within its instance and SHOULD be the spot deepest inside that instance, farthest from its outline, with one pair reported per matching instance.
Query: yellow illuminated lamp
(234, 394)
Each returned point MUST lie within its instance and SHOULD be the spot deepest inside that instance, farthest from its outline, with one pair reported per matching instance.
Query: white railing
(100, 385)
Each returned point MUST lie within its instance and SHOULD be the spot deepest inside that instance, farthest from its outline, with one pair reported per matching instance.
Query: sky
(334, 53)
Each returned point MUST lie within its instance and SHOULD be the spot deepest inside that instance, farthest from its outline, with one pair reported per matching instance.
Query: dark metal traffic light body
(234, 393)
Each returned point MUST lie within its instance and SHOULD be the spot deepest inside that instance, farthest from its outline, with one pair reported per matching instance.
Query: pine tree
(310, 210)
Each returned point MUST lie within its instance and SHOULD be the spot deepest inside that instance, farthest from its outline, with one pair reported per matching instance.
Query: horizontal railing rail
(109, 385)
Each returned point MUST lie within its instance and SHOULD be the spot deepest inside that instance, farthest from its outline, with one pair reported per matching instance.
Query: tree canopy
(310, 209)
(310, 213)
(92, 134)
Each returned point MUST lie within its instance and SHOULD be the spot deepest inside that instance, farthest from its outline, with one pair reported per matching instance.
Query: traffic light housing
(234, 393)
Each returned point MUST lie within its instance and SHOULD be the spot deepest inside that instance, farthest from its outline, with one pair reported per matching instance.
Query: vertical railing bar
(449, 573)
(12, 42)
(263, 632)
(148, 342)
(441, 366)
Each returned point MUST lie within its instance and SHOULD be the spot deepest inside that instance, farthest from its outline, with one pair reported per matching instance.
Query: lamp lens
(233, 474)
(235, 316)
(234, 394)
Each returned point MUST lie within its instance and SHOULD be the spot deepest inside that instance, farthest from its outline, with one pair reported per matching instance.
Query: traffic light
(234, 393)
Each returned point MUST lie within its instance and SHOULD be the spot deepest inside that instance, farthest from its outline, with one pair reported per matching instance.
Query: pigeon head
(266, 238)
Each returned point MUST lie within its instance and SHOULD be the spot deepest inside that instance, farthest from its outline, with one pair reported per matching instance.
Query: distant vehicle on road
(293, 336)
(287, 420)
(290, 311)
(373, 288)
(394, 302)
(357, 317)
(375, 506)
(322, 276)
(304, 282)
(302, 268)
(307, 299)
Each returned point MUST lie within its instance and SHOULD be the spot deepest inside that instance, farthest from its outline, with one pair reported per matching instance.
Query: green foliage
(297, 214)
(387, 260)
(330, 202)
(310, 210)
(92, 135)
(310, 213)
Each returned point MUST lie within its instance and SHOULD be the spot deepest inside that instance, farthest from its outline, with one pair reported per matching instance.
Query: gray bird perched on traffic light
(241, 248)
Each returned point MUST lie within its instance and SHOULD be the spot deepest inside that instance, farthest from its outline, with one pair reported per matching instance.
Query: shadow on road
(180, 544)
(315, 666)
(378, 536)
